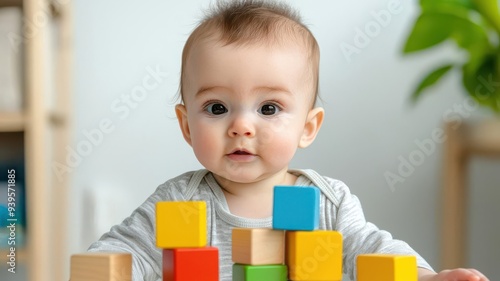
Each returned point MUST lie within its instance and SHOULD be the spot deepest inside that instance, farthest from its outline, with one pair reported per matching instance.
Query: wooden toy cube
(314, 255)
(101, 266)
(188, 264)
(296, 208)
(258, 246)
(382, 267)
(181, 224)
(244, 272)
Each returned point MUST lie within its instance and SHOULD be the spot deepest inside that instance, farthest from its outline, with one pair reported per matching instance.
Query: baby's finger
(478, 273)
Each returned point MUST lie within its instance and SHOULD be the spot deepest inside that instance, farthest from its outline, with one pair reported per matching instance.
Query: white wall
(369, 123)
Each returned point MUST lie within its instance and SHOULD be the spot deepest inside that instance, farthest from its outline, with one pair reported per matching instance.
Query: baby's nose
(242, 126)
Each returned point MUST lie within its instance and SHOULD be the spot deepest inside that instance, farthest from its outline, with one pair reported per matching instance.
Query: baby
(249, 84)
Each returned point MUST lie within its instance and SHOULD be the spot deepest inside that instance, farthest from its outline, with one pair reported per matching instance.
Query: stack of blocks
(181, 231)
(304, 251)
(258, 254)
(311, 254)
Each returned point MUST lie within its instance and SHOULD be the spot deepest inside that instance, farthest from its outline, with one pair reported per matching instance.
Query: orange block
(188, 264)
(258, 246)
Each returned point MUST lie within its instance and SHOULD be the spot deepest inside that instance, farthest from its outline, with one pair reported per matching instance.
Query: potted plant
(474, 25)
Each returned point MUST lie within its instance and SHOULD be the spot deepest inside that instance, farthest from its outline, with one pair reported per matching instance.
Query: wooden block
(258, 246)
(296, 208)
(244, 272)
(188, 264)
(314, 255)
(181, 224)
(386, 267)
(101, 267)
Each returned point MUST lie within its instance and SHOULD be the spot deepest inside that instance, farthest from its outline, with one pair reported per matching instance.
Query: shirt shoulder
(183, 187)
(333, 189)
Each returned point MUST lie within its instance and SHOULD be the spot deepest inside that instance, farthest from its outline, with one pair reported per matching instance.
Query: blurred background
(108, 141)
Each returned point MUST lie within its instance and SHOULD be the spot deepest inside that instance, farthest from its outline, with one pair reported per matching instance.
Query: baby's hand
(459, 274)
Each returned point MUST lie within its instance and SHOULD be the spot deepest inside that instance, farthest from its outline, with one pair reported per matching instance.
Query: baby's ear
(181, 112)
(312, 126)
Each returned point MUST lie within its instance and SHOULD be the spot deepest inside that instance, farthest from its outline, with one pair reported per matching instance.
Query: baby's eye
(269, 109)
(216, 109)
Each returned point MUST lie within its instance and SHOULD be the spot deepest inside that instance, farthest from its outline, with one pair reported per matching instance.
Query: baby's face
(246, 108)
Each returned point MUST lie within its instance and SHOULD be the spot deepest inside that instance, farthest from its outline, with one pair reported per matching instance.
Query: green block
(276, 272)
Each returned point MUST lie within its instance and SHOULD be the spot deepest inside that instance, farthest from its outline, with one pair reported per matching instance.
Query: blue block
(296, 208)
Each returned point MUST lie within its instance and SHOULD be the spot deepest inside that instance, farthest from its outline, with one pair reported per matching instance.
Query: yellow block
(101, 267)
(386, 267)
(181, 224)
(314, 255)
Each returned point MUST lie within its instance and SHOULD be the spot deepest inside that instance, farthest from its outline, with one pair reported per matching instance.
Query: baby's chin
(233, 178)
(242, 177)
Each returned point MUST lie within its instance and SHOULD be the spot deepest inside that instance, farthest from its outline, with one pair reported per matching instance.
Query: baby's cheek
(283, 147)
(204, 143)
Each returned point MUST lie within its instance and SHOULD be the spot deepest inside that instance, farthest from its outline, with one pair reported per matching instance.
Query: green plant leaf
(431, 79)
(427, 32)
(483, 82)
(489, 10)
(434, 27)
(460, 8)
(474, 25)
(427, 5)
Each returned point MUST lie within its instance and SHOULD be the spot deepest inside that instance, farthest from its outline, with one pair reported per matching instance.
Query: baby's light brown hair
(254, 22)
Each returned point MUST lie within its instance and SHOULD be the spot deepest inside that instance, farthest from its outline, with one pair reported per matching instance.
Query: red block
(188, 264)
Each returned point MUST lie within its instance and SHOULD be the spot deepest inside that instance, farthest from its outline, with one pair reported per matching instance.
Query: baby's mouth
(241, 152)
(241, 155)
